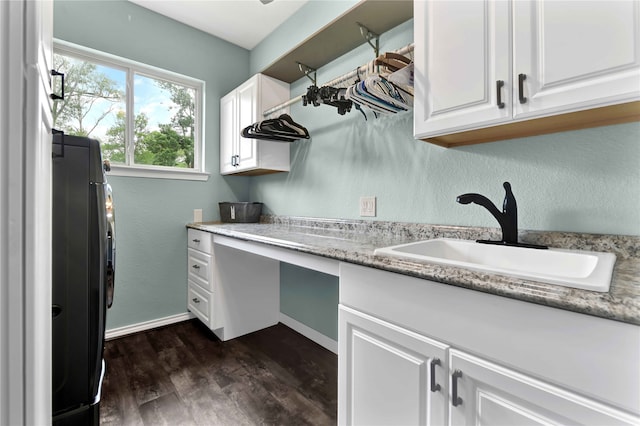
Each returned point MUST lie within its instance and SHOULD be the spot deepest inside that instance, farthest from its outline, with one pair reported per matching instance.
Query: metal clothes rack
(361, 71)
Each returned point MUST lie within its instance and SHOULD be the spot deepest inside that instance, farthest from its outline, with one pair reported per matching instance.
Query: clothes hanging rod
(362, 71)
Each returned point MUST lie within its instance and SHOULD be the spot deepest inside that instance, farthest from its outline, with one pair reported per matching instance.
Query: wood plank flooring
(183, 374)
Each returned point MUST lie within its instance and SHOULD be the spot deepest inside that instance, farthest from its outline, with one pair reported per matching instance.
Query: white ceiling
(242, 22)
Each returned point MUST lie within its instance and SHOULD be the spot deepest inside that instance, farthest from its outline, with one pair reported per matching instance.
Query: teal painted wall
(151, 213)
(302, 24)
(579, 181)
(583, 181)
(320, 291)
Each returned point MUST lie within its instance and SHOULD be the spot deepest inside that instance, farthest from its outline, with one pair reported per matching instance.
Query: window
(148, 121)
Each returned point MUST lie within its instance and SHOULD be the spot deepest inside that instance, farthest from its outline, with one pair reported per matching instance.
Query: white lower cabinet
(231, 291)
(415, 352)
(201, 283)
(485, 393)
(388, 375)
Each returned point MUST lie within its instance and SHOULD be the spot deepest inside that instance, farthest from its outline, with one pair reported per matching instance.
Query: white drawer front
(199, 303)
(199, 269)
(199, 240)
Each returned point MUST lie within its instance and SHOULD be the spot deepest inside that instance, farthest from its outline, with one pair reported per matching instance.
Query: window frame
(131, 68)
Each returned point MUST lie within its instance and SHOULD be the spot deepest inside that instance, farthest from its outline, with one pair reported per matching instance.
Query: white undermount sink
(586, 270)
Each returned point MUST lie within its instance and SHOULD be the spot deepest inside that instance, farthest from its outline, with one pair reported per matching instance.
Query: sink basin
(586, 270)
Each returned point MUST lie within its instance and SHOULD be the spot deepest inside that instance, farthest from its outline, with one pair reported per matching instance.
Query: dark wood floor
(183, 375)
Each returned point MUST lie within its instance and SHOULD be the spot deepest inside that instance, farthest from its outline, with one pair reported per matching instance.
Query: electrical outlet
(367, 206)
(197, 215)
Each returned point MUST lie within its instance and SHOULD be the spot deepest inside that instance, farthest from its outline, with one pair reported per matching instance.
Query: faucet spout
(507, 218)
(481, 200)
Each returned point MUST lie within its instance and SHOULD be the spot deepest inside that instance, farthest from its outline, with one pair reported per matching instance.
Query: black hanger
(329, 96)
(282, 129)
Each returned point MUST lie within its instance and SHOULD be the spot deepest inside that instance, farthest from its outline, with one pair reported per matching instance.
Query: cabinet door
(229, 133)
(388, 375)
(462, 51)
(248, 103)
(489, 394)
(575, 54)
(241, 108)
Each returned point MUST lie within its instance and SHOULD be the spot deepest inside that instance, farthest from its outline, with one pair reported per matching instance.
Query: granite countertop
(354, 241)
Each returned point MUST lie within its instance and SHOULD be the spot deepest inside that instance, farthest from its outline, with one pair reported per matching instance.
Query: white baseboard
(306, 331)
(310, 333)
(147, 325)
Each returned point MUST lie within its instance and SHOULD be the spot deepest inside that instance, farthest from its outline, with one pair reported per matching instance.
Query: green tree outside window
(95, 106)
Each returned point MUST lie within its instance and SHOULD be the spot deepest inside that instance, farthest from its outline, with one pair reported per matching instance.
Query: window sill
(157, 173)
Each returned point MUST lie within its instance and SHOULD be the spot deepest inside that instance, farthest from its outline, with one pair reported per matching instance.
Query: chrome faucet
(508, 218)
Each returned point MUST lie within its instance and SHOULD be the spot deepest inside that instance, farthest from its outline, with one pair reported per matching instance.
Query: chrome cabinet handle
(195, 240)
(521, 79)
(455, 399)
(434, 386)
(196, 300)
(499, 85)
(195, 266)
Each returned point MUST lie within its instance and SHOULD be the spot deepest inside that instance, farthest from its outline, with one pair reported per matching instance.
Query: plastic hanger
(282, 129)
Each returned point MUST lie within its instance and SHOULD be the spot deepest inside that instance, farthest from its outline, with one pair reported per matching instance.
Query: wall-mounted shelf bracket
(370, 35)
(308, 71)
(338, 81)
(340, 36)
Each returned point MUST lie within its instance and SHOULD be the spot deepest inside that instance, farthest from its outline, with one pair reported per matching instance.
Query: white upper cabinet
(481, 64)
(461, 51)
(575, 54)
(247, 98)
(229, 133)
(241, 108)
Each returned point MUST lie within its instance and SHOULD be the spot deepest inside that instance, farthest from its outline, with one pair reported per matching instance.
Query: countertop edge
(604, 305)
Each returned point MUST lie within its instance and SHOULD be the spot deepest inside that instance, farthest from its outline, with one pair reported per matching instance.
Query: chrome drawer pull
(195, 266)
(196, 300)
(195, 240)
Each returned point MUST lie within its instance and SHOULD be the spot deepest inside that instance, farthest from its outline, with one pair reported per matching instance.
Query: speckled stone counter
(354, 241)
